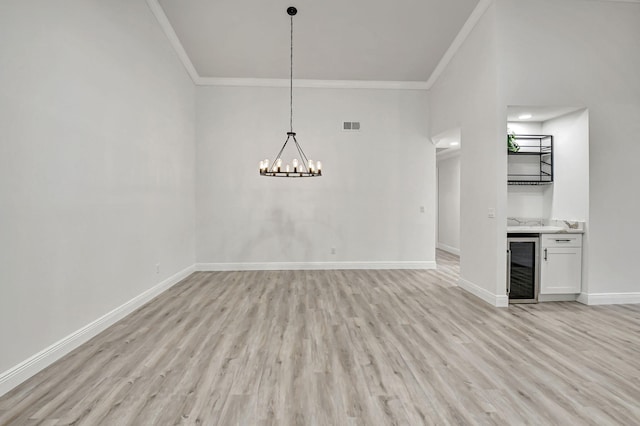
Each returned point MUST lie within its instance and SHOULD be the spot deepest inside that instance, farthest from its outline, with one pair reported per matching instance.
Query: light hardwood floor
(343, 348)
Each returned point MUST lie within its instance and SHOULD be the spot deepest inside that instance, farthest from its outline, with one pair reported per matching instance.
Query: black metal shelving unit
(532, 164)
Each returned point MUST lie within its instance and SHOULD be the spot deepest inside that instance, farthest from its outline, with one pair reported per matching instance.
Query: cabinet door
(561, 270)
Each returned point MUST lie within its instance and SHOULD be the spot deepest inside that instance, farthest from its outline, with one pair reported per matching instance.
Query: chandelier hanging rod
(291, 11)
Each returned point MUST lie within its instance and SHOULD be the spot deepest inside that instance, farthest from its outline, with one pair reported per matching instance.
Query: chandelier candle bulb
(287, 168)
(319, 166)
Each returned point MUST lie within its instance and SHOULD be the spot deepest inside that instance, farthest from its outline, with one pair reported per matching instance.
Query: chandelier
(298, 168)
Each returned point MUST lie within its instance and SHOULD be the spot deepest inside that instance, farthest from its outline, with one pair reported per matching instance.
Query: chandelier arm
(280, 153)
(303, 157)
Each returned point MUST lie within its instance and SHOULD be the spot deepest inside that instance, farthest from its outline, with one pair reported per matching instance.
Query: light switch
(492, 213)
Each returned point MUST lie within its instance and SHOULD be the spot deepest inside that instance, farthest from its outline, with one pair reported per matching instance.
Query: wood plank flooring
(343, 348)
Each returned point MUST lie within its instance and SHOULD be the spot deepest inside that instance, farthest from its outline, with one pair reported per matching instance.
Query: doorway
(448, 149)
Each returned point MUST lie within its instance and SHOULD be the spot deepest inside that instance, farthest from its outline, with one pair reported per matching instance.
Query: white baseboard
(29, 367)
(297, 266)
(582, 298)
(487, 296)
(502, 301)
(609, 298)
(557, 297)
(448, 249)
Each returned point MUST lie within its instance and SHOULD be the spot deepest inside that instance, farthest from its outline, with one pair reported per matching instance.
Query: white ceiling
(378, 40)
(538, 113)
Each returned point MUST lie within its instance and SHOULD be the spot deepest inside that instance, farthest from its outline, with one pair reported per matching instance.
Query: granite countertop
(524, 225)
(536, 229)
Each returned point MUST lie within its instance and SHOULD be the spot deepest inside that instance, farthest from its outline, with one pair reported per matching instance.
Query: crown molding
(464, 32)
(314, 84)
(166, 26)
(466, 29)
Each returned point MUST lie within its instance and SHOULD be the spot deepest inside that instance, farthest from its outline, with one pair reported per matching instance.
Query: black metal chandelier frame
(306, 167)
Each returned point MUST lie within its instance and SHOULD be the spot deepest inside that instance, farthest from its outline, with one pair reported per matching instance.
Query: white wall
(529, 201)
(525, 127)
(568, 197)
(586, 53)
(96, 165)
(466, 95)
(449, 202)
(571, 165)
(367, 203)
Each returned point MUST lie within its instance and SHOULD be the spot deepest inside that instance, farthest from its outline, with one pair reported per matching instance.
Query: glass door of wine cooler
(523, 269)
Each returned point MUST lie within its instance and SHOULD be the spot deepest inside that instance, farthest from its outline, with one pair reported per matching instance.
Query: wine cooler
(523, 269)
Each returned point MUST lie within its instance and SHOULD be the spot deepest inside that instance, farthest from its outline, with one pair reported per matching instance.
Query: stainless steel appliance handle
(508, 272)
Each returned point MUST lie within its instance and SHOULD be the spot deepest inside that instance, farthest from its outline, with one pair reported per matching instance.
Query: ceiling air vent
(351, 126)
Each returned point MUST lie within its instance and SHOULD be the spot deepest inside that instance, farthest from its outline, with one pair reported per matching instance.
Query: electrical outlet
(157, 268)
(491, 213)
(333, 250)
(421, 209)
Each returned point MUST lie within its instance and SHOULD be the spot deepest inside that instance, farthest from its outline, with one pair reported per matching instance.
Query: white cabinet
(561, 264)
